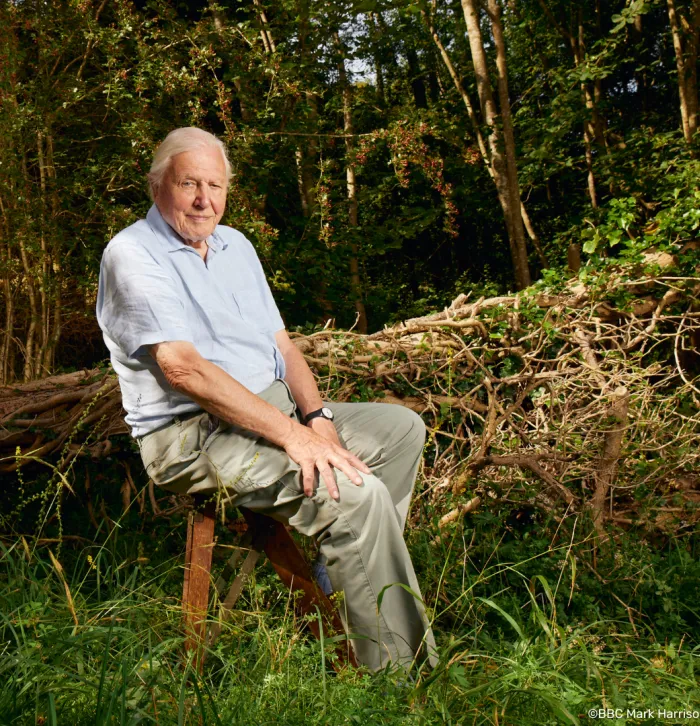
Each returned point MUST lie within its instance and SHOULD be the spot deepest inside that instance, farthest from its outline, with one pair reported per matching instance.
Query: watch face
(327, 413)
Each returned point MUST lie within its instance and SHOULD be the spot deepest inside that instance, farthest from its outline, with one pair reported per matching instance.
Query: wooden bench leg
(255, 543)
(291, 567)
(286, 558)
(195, 591)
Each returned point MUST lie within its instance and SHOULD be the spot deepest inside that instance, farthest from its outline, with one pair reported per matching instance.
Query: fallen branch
(521, 385)
(611, 453)
(459, 511)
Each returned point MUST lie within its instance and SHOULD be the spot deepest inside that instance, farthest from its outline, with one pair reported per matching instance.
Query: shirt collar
(167, 235)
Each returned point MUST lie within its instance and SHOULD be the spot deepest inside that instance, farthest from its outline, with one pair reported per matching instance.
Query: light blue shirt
(154, 288)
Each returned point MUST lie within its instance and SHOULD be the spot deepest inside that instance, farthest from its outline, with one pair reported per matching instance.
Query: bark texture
(684, 31)
(353, 216)
(500, 135)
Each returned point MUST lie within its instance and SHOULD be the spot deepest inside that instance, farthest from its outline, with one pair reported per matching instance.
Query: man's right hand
(312, 451)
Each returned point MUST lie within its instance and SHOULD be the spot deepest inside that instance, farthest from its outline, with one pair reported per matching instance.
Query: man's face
(192, 195)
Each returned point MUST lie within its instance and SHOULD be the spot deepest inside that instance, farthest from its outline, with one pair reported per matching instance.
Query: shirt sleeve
(137, 303)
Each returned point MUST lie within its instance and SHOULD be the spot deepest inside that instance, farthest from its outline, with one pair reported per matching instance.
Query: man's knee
(353, 513)
(407, 426)
(418, 428)
(361, 503)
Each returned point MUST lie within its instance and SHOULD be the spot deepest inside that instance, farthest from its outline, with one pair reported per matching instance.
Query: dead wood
(509, 396)
(459, 511)
(617, 412)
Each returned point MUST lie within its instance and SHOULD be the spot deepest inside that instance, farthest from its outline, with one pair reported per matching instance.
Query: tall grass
(94, 637)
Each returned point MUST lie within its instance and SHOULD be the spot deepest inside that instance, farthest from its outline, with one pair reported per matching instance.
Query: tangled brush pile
(586, 400)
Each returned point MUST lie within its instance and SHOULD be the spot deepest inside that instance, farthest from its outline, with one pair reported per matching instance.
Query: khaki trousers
(360, 537)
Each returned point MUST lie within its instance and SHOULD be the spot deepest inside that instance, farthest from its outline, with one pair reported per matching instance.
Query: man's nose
(202, 200)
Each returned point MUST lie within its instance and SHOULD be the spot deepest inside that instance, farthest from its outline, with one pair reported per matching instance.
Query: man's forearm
(220, 394)
(301, 381)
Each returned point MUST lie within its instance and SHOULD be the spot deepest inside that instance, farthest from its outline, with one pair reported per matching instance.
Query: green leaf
(590, 245)
(506, 615)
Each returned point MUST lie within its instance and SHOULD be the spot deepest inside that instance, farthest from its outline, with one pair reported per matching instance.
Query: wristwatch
(324, 412)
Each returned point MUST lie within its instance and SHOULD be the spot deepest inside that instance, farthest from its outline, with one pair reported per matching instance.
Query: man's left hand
(324, 427)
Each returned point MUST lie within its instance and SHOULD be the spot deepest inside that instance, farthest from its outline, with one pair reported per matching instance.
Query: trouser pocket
(244, 461)
(203, 453)
(170, 451)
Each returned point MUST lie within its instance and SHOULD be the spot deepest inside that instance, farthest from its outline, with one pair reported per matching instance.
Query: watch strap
(318, 413)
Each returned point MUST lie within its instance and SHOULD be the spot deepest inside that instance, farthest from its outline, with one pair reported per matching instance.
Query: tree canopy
(387, 154)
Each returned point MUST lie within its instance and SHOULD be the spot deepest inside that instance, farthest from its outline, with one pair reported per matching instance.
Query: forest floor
(528, 632)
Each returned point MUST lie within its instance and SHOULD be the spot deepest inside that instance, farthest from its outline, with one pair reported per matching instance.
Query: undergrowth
(534, 625)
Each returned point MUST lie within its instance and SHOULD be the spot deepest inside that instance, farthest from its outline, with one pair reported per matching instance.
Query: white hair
(177, 142)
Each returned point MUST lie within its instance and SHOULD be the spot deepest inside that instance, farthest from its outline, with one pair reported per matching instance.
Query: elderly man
(220, 400)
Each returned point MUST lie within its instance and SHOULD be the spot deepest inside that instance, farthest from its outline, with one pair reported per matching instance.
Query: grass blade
(53, 719)
(507, 616)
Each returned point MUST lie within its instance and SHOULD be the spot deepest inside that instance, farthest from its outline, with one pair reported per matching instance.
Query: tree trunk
(502, 159)
(309, 150)
(476, 129)
(352, 188)
(462, 93)
(378, 65)
(265, 33)
(415, 75)
(44, 283)
(6, 370)
(303, 198)
(685, 46)
(434, 89)
(593, 127)
(494, 12)
(590, 125)
(680, 67)
(55, 268)
(30, 342)
(533, 236)
(636, 37)
(692, 68)
(306, 157)
(590, 176)
(390, 65)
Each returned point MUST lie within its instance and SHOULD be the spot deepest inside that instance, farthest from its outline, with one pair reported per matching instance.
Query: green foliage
(532, 627)
(528, 634)
(88, 89)
(620, 215)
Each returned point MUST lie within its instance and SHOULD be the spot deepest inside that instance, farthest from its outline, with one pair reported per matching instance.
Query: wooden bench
(264, 535)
